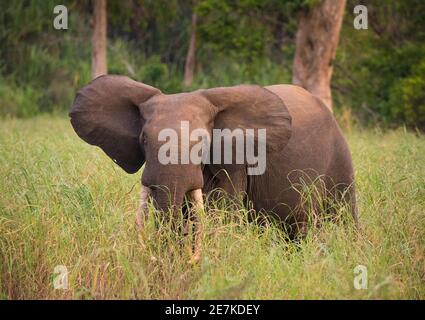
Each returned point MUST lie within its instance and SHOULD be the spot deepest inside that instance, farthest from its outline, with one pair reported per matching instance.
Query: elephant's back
(314, 128)
(305, 108)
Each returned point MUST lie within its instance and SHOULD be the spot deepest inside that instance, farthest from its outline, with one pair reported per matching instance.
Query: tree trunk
(99, 40)
(316, 42)
(189, 67)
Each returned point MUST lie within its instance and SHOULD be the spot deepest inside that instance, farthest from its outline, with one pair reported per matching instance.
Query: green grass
(63, 202)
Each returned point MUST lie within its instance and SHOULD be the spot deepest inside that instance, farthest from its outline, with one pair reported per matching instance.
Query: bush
(407, 98)
(18, 101)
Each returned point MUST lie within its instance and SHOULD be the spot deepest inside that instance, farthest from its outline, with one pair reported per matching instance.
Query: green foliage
(18, 101)
(155, 72)
(44, 65)
(229, 73)
(407, 98)
(229, 29)
(245, 30)
(377, 71)
(393, 67)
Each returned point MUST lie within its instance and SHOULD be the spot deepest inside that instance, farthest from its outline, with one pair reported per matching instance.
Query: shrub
(407, 98)
(18, 101)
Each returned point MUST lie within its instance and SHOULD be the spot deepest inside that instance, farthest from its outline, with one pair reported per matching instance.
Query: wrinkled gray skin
(124, 117)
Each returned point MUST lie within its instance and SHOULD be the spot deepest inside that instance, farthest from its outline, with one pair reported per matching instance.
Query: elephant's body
(316, 152)
(304, 143)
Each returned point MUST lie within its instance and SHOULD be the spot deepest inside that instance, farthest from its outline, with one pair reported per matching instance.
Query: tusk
(144, 196)
(196, 197)
(144, 200)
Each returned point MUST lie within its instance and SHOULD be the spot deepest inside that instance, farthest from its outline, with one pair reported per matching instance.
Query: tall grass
(63, 202)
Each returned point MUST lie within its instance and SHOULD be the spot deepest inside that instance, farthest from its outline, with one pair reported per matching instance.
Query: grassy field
(63, 202)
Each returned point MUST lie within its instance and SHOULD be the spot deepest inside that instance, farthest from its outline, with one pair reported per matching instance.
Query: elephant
(303, 142)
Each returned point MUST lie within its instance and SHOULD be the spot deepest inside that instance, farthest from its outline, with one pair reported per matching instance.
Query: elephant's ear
(105, 113)
(252, 107)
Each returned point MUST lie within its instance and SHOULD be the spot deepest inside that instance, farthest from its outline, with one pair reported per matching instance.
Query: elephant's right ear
(106, 113)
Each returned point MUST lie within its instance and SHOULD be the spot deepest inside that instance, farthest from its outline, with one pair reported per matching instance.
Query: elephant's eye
(143, 138)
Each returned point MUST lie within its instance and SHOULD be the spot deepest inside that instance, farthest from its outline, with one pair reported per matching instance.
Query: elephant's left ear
(252, 107)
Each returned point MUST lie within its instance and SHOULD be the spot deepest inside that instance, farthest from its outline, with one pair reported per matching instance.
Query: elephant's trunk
(195, 197)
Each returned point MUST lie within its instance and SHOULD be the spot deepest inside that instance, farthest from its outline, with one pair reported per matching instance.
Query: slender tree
(316, 42)
(189, 67)
(99, 40)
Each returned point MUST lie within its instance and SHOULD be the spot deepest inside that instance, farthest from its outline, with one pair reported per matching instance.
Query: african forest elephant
(301, 138)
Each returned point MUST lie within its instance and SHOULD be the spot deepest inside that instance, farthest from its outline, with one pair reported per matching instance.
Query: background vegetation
(378, 74)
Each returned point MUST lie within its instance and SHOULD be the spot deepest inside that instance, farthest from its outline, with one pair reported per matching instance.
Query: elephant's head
(125, 118)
